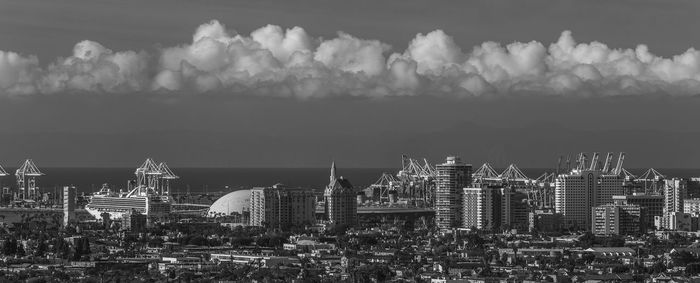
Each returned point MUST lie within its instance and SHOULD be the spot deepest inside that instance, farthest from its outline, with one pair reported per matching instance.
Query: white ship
(150, 195)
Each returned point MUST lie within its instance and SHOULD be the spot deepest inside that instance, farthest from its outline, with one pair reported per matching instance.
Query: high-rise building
(478, 208)
(613, 219)
(69, 193)
(340, 201)
(281, 207)
(576, 194)
(518, 212)
(452, 177)
(675, 191)
(652, 206)
(494, 207)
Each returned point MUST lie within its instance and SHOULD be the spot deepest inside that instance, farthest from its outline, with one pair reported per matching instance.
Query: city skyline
(349, 141)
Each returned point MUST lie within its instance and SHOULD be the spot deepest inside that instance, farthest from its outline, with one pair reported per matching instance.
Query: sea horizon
(214, 179)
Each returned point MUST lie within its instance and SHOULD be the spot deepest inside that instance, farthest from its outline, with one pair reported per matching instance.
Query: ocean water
(229, 179)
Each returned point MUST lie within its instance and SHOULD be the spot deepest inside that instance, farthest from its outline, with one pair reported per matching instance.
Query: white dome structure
(226, 205)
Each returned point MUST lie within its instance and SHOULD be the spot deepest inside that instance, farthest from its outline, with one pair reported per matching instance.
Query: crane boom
(581, 162)
(620, 160)
(608, 160)
(594, 162)
(559, 164)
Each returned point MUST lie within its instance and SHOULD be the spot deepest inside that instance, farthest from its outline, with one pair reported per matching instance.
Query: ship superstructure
(149, 194)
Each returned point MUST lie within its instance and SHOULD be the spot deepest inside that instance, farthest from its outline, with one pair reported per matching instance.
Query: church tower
(340, 200)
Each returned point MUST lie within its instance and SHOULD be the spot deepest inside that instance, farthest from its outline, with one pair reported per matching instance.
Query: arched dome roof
(237, 201)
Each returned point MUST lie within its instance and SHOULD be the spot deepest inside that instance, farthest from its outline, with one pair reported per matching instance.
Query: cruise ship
(149, 194)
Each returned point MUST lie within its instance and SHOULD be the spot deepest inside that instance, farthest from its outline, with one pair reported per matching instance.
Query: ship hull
(117, 207)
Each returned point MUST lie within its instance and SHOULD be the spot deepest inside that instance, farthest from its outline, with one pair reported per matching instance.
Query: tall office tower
(504, 204)
(340, 201)
(69, 193)
(576, 194)
(652, 206)
(478, 208)
(613, 219)
(519, 212)
(281, 207)
(675, 191)
(452, 177)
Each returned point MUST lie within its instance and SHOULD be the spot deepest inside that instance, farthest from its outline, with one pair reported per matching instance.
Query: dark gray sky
(50, 28)
(248, 130)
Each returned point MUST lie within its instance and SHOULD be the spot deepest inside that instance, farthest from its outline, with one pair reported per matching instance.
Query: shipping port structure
(148, 194)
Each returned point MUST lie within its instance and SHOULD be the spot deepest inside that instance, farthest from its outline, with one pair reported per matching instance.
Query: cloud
(17, 73)
(272, 61)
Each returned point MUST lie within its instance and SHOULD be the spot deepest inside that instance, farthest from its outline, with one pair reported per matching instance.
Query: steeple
(333, 178)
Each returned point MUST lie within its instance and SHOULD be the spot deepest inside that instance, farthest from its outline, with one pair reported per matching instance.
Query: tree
(337, 230)
(692, 269)
(474, 241)
(10, 247)
(683, 258)
(41, 249)
(658, 267)
(587, 239)
(588, 258)
(615, 241)
(409, 225)
(620, 269)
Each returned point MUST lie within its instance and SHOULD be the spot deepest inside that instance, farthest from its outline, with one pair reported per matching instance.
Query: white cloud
(290, 63)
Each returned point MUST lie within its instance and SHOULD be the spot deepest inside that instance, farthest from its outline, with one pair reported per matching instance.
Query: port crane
(608, 162)
(486, 174)
(513, 174)
(3, 173)
(385, 184)
(652, 181)
(167, 176)
(415, 181)
(26, 176)
(152, 179)
(542, 194)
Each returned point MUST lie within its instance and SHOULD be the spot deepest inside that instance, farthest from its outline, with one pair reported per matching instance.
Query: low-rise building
(677, 221)
(545, 221)
(615, 219)
(652, 206)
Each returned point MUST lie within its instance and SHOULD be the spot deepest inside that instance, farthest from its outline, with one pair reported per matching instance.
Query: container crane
(26, 176)
(620, 161)
(167, 176)
(594, 162)
(608, 161)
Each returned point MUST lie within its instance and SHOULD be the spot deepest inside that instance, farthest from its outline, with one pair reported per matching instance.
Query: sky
(301, 83)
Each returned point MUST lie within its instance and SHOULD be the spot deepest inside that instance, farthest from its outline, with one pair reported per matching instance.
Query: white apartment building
(576, 194)
(478, 208)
